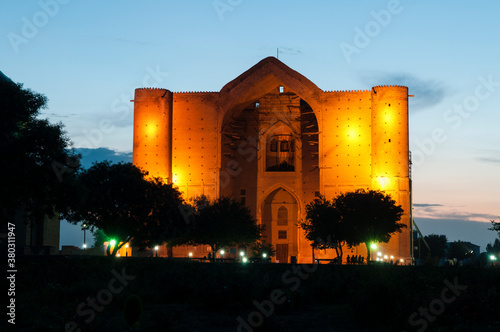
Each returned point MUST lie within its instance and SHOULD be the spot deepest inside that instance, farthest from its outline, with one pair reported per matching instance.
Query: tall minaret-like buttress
(390, 162)
(153, 132)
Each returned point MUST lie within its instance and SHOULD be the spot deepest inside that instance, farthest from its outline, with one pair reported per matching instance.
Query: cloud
(427, 92)
(90, 156)
(289, 50)
(490, 160)
(438, 211)
(489, 156)
(56, 115)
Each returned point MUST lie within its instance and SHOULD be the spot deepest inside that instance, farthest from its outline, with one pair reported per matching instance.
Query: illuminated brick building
(275, 140)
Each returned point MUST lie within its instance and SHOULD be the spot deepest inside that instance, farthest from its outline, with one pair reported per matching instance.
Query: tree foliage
(224, 222)
(325, 227)
(495, 226)
(117, 199)
(438, 245)
(373, 215)
(259, 248)
(493, 248)
(38, 160)
(352, 218)
(458, 250)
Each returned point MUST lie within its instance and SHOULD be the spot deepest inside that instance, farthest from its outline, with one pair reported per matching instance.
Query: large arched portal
(272, 139)
(280, 217)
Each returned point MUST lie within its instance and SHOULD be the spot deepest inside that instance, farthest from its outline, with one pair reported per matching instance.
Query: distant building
(274, 140)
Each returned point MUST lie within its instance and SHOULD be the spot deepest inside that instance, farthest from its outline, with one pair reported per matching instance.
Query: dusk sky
(87, 57)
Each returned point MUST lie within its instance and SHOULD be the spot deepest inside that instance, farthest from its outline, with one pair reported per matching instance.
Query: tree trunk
(214, 252)
(367, 252)
(341, 253)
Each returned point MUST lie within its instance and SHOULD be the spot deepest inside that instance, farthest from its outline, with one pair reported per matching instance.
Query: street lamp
(156, 250)
(85, 226)
(264, 255)
(493, 258)
(190, 254)
(126, 249)
(242, 253)
(244, 260)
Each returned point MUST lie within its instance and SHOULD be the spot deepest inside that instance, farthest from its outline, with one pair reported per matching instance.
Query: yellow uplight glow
(351, 133)
(383, 182)
(387, 117)
(151, 129)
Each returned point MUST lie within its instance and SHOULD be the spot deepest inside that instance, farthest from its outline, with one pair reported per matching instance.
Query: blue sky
(87, 57)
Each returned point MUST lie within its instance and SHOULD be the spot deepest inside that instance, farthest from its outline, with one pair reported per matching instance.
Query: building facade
(274, 140)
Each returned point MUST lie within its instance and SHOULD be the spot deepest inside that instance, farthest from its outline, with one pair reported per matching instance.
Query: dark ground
(54, 292)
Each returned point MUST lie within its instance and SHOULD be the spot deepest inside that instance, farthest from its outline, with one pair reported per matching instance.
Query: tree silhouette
(438, 245)
(38, 161)
(224, 222)
(495, 226)
(325, 227)
(493, 248)
(259, 248)
(457, 250)
(372, 215)
(117, 199)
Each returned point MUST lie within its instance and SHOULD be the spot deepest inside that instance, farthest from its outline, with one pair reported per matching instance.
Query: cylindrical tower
(390, 160)
(153, 132)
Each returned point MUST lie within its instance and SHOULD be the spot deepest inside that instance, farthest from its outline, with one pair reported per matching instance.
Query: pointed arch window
(282, 216)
